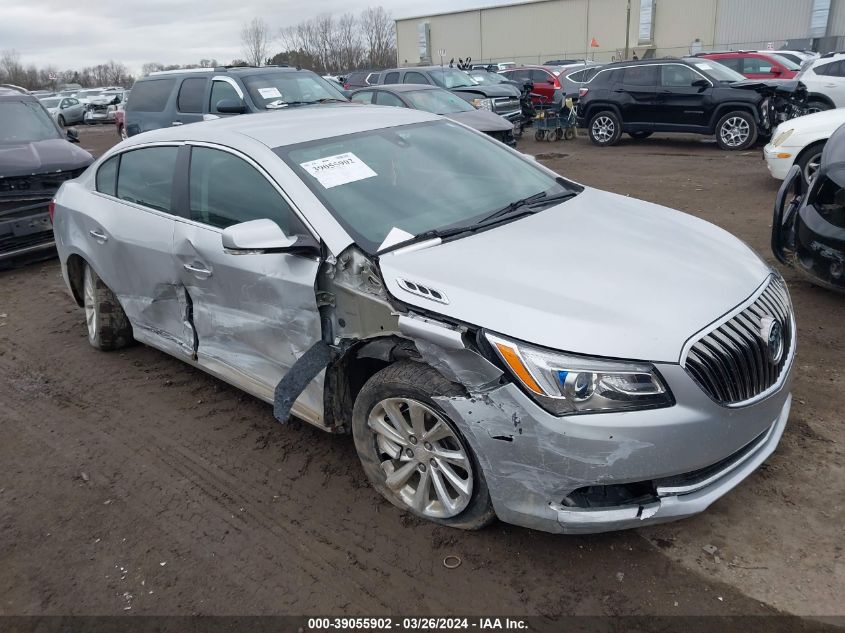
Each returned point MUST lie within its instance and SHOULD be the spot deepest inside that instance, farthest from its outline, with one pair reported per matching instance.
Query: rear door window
(151, 95)
(833, 69)
(146, 176)
(388, 99)
(756, 65)
(191, 94)
(734, 63)
(540, 76)
(645, 76)
(363, 97)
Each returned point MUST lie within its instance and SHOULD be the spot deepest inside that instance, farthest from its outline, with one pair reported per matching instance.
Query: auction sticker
(338, 170)
(269, 93)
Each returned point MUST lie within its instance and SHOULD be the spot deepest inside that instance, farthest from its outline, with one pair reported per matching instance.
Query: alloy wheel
(89, 300)
(425, 463)
(603, 129)
(812, 167)
(735, 131)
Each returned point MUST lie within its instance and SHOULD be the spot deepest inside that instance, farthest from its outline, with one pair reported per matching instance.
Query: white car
(798, 57)
(800, 141)
(825, 81)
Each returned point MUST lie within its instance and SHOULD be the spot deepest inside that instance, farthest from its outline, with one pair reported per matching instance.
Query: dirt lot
(136, 484)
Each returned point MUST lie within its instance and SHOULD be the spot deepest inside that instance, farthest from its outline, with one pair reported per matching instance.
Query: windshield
(25, 122)
(438, 101)
(50, 103)
(451, 78)
(785, 62)
(272, 91)
(486, 78)
(416, 178)
(716, 71)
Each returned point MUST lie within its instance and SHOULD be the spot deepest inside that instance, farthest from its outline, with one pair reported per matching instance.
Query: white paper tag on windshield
(703, 66)
(338, 170)
(269, 93)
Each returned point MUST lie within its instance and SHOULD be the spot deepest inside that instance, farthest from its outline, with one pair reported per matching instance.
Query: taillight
(557, 83)
(582, 92)
(51, 210)
(346, 87)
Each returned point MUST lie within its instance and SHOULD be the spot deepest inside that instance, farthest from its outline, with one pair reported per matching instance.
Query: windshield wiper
(531, 202)
(280, 103)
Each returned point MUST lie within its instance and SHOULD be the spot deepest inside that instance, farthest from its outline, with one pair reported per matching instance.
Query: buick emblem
(772, 332)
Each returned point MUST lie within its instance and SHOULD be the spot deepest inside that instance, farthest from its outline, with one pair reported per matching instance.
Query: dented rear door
(254, 314)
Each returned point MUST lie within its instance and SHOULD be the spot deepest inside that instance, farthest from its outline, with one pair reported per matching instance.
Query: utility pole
(628, 31)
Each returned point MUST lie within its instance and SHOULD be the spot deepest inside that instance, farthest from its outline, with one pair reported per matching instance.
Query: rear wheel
(809, 161)
(108, 326)
(640, 134)
(605, 128)
(413, 454)
(736, 131)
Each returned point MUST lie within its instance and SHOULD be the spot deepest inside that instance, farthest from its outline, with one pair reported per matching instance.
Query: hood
(826, 121)
(481, 120)
(600, 274)
(771, 86)
(41, 157)
(498, 90)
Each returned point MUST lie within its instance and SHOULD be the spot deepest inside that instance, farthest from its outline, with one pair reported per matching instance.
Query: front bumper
(779, 167)
(25, 230)
(533, 461)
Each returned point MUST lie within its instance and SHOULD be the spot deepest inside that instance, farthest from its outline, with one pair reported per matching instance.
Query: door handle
(97, 235)
(197, 271)
(830, 85)
(175, 123)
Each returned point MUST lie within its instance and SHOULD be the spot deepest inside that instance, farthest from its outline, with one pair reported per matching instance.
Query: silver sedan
(498, 340)
(64, 110)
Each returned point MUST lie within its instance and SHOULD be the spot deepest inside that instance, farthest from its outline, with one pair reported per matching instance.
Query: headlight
(564, 384)
(483, 104)
(780, 137)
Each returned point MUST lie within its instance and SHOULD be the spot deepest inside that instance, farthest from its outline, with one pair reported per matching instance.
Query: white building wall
(752, 24)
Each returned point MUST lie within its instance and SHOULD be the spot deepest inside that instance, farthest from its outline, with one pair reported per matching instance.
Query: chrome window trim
(603, 70)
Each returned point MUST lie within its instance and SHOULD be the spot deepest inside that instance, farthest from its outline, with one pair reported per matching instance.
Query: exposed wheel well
(815, 96)
(809, 148)
(594, 109)
(75, 271)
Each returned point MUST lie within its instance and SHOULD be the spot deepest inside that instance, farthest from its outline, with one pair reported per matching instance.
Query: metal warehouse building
(532, 32)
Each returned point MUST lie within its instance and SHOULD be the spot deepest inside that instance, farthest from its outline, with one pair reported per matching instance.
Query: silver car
(64, 110)
(499, 340)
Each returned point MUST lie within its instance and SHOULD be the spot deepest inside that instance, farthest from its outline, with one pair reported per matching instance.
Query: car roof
(7, 94)
(289, 127)
(237, 70)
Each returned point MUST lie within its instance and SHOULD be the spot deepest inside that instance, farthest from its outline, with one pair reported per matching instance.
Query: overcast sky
(73, 34)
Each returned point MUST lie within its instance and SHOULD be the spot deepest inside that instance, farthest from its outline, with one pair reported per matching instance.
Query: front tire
(108, 326)
(810, 160)
(413, 454)
(62, 121)
(736, 131)
(605, 128)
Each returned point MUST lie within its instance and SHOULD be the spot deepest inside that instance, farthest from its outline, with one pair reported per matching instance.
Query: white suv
(825, 81)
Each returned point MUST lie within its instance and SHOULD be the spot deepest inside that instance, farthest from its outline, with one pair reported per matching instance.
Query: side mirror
(231, 106)
(775, 70)
(72, 135)
(701, 84)
(262, 236)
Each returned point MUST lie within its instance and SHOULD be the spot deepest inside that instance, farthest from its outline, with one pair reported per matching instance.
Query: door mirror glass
(72, 135)
(231, 106)
(265, 235)
(701, 84)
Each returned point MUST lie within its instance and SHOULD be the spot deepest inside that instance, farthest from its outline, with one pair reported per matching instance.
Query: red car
(546, 80)
(755, 65)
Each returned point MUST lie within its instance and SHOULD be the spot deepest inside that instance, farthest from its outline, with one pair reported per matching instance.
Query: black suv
(503, 99)
(35, 159)
(176, 97)
(671, 95)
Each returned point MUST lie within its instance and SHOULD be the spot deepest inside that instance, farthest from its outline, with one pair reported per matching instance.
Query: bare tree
(11, 69)
(255, 40)
(379, 37)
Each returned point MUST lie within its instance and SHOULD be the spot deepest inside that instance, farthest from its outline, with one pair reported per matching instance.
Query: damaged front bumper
(612, 471)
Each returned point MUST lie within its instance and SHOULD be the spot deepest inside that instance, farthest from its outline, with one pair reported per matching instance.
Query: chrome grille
(505, 104)
(733, 362)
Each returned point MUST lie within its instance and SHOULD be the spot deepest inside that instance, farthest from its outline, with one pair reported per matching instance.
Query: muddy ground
(135, 484)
